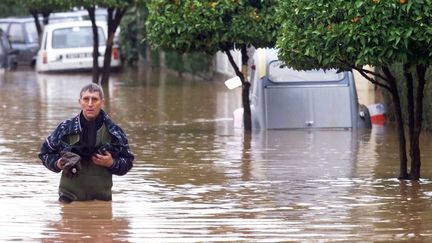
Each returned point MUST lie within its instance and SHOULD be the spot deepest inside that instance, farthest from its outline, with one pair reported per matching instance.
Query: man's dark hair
(92, 87)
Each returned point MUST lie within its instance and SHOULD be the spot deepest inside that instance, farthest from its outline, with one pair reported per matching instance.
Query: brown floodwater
(196, 178)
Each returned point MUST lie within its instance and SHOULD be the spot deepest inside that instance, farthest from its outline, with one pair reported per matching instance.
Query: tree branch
(365, 72)
(234, 65)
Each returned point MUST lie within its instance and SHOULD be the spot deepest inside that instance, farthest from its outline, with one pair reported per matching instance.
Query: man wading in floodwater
(88, 148)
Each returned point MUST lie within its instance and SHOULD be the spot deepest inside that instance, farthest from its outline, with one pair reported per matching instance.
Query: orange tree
(210, 26)
(351, 34)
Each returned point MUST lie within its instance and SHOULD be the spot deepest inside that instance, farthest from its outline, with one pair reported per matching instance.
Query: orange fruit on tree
(356, 19)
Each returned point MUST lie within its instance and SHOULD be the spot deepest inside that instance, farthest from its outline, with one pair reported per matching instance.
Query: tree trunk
(106, 69)
(115, 16)
(37, 23)
(247, 114)
(403, 172)
(410, 109)
(415, 115)
(95, 70)
(416, 158)
(245, 92)
(45, 17)
(246, 160)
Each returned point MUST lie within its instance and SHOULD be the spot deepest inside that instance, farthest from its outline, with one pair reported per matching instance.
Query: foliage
(174, 61)
(106, 3)
(351, 34)
(9, 8)
(129, 39)
(208, 26)
(194, 63)
(131, 34)
(155, 58)
(198, 64)
(188, 26)
(45, 6)
(363, 32)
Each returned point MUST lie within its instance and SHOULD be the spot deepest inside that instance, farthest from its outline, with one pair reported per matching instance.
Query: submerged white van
(283, 98)
(69, 46)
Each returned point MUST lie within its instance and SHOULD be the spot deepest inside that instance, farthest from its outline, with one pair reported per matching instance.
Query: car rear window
(16, 33)
(75, 37)
(277, 72)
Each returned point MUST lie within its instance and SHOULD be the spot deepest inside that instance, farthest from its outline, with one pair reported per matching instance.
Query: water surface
(196, 178)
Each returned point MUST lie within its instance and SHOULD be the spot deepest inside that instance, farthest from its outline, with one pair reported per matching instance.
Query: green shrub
(198, 64)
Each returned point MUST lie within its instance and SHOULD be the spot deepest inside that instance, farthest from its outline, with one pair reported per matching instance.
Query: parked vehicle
(58, 17)
(283, 98)
(101, 15)
(23, 36)
(69, 46)
(7, 53)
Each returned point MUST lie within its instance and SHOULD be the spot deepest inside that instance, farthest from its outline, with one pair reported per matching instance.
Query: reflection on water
(198, 179)
(87, 222)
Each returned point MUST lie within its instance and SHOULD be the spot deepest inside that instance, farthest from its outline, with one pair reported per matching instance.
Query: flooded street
(196, 178)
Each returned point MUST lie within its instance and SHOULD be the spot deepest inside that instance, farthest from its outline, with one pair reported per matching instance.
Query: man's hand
(59, 164)
(104, 160)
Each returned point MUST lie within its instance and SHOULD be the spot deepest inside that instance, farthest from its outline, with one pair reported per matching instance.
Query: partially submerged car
(24, 38)
(69, 46)
(284, 98)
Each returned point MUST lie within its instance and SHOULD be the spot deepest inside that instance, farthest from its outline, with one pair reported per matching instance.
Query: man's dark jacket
(58, 141)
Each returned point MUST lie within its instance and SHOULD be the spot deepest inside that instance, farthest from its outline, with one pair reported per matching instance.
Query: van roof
(83, 23)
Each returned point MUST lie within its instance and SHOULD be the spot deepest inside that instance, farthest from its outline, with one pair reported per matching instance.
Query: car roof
(17, 20)
(68, 14)
(83, 23)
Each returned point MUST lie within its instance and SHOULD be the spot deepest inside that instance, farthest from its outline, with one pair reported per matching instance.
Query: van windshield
(75, 37)
(279, 73)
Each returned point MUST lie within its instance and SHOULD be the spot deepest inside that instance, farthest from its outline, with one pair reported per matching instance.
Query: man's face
(91, 104)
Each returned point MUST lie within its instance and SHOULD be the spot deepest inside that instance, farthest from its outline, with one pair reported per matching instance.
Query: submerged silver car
(283, 98)
(24, 38)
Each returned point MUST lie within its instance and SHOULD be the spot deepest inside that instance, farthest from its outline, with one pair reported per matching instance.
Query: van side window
(16, 33)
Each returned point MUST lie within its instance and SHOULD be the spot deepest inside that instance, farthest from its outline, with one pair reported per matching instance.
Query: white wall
(222, 64)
